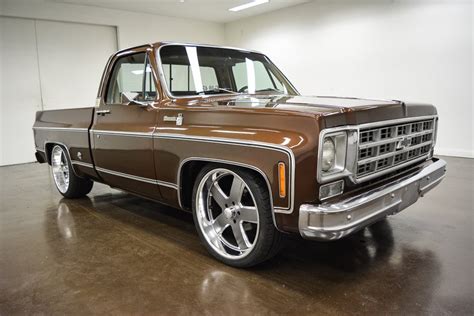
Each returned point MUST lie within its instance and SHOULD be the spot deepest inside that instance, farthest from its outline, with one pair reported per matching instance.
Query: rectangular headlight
(333, 153)
(337, 148)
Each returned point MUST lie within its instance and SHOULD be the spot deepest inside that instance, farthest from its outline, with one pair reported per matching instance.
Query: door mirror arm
(142, 104)
(129, 100)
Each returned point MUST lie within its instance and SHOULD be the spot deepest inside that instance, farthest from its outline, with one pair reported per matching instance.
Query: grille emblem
(402, 144)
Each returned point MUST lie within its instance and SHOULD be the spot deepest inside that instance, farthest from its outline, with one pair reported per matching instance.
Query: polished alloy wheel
(227, 213)
(60, 169)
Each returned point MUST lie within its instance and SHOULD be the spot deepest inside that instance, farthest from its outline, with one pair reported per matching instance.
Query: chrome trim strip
(167, 184)
(69, 129)
(122, 133)
(291, 158)
(236, 142)
(228, 162)
(82, 164)
(137, 178)
(287, 210)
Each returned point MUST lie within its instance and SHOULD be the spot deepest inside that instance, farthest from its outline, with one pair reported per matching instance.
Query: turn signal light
(331, 189)
(282, 179)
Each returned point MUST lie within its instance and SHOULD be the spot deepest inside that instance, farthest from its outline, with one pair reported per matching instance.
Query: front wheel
(233, 216)
(66, 181)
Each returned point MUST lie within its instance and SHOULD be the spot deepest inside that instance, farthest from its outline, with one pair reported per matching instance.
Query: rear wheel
(233, 216)
(66, 181)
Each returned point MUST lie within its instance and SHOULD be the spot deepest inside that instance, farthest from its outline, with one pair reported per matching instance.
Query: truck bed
(68, 127)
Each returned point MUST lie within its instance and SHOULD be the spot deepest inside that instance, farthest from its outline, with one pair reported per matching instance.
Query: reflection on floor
(116, 253)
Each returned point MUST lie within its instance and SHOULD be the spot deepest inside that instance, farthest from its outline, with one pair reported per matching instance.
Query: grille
(392, 146)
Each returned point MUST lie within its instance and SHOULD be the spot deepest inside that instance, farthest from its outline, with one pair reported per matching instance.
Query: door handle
(102, 112)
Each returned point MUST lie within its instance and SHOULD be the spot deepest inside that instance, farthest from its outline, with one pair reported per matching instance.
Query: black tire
(77, 187)
(268, 240)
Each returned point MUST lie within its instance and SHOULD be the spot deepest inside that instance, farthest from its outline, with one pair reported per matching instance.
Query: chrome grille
(391, 147)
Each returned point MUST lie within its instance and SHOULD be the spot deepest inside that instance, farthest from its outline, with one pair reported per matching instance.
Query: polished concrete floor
(113, 253)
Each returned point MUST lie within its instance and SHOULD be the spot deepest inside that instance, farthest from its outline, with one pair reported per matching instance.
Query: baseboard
(16, 163)
(454, 152)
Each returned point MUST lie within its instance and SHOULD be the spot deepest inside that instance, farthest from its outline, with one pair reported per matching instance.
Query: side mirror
(128, 98)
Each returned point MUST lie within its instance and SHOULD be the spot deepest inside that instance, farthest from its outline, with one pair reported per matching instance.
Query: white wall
(417, 50)
(37, 74)
(133, 28)
(20, 95)
(39, 38)
(66, 84)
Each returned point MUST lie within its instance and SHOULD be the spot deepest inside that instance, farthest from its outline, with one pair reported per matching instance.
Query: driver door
(121, 135)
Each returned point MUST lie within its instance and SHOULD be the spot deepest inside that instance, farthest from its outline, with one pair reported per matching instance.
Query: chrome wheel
(227, 213)
(60, 169)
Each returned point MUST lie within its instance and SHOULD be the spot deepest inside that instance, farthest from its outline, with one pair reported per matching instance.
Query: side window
(131, 79)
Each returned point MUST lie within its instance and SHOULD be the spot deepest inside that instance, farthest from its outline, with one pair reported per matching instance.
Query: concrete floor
(116, 253)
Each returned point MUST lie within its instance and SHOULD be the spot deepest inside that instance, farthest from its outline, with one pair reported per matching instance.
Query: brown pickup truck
(222, 133)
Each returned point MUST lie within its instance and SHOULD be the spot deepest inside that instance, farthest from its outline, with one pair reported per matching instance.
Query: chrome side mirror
(128, 98)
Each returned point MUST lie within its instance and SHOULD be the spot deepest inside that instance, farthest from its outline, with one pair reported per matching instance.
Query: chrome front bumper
(334, 221)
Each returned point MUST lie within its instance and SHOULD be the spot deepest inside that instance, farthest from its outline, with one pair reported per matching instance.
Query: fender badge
(178, 119)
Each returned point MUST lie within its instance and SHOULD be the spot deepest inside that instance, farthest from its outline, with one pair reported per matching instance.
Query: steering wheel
(243, 89)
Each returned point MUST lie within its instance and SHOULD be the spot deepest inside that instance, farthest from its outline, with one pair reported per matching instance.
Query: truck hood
(311, 104)
(332, 110)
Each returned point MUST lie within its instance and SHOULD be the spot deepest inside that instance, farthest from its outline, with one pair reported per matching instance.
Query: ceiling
(207, 10)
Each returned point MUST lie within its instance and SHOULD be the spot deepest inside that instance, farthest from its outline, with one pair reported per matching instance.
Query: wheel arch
(48, 148)
(190, 167)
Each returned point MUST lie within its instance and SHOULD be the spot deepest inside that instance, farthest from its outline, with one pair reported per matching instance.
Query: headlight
(337, 152)
(329, 155)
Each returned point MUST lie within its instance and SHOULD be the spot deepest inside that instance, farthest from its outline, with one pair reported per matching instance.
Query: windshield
(195, 70)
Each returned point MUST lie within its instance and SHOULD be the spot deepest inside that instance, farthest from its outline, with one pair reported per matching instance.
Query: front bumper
(334, 221)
